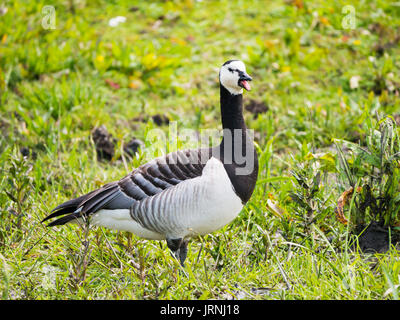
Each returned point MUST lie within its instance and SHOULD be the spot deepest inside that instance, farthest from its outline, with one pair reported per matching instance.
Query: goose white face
(233, 77)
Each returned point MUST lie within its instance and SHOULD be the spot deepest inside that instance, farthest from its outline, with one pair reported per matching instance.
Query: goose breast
(194, 207)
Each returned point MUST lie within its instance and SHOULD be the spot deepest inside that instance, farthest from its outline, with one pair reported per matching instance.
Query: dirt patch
(381, 48)
(26, 152)
(104, 143)
(388, 38)
(375, 238)
(133, 146)
(139, 118)
(256, 107)
(160, 119)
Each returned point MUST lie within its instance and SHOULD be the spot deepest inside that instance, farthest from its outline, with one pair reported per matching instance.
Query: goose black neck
(237, 149)
(231, 110)
(235, 135)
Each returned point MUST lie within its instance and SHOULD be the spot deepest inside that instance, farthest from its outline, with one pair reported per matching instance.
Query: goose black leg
(183, 252)
(178, 248)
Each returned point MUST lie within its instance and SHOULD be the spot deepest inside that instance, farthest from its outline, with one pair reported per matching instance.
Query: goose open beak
(244, 81)
(245, 84)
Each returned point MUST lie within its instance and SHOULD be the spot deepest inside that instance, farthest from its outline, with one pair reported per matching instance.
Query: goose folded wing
(195, 206)
(169, 212)
(148, 180)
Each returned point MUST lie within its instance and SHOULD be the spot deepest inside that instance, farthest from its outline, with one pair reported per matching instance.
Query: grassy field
(324, 72)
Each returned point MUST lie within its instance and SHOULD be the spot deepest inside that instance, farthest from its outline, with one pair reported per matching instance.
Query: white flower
(354, 82)
(116, 21)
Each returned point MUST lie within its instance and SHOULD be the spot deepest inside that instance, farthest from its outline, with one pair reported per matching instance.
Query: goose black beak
(244, 79)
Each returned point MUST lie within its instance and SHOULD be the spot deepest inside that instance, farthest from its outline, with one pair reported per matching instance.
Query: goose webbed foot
(179, 249)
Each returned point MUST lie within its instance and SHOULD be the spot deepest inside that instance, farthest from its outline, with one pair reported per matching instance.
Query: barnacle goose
(185, 193)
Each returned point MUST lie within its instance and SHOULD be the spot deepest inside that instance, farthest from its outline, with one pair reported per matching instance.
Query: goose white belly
(193, 207)
(218, 206)
(121, 220)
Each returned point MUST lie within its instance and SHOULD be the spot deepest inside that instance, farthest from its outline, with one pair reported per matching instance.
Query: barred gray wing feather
(195, 206)
(169, 212)
(148, 180)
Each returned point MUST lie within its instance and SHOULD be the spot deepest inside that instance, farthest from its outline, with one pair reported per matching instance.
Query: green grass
(55, 88)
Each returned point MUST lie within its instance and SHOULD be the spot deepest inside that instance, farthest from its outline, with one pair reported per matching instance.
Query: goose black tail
(84, 205)
(67, 207)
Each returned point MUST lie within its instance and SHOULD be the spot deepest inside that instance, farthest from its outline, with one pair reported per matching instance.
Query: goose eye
(230, 69)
